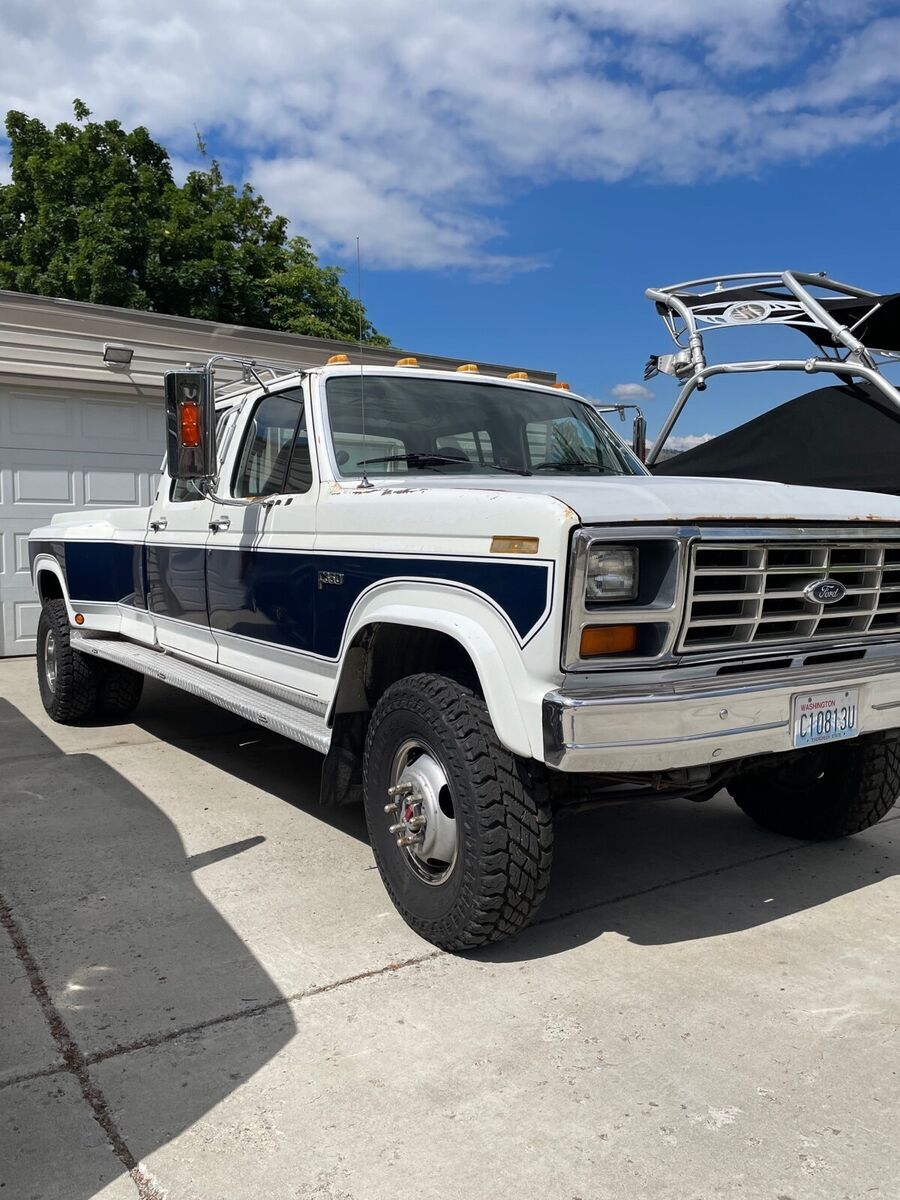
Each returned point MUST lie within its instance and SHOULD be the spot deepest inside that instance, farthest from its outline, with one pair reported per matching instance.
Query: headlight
(612, 573)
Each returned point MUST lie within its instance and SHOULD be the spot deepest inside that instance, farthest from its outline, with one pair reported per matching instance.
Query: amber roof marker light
(337, 360)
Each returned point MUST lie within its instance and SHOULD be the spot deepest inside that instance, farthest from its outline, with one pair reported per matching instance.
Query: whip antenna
(364, 481)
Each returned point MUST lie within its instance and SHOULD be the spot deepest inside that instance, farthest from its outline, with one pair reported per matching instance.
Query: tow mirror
(639, 437)
(190, 425)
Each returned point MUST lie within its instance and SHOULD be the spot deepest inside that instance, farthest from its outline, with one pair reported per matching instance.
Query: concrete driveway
(205, 993)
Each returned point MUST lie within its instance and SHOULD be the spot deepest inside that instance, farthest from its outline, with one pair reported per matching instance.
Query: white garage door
(61, 452)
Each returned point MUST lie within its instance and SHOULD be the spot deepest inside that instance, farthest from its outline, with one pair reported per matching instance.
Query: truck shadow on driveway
(672, 871)
(122, 952)
(655, 872)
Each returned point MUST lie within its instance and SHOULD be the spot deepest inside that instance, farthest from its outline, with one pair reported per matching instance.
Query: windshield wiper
(421, 458)
(570, 462)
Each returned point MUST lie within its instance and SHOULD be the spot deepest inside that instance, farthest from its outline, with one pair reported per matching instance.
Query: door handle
(159, 523)
(223, 522)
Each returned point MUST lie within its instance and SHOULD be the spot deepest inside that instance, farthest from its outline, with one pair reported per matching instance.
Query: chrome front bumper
(686, 722)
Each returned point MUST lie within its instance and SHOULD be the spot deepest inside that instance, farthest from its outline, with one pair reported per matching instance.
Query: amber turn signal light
(608, 639)
(189, 423)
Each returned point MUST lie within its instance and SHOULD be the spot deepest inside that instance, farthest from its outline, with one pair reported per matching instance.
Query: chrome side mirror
(190, 424)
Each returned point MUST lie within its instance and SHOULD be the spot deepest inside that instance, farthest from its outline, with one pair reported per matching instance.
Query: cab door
(176, 561)
(260, 566)
(177, 536)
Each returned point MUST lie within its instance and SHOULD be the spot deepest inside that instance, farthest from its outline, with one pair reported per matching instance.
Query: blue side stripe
(274, 596)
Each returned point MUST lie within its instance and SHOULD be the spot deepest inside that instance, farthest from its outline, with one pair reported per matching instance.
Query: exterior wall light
(117, 355)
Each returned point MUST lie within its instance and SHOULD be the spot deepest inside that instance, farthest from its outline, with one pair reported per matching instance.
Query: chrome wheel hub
(422, 811)
(51, 665)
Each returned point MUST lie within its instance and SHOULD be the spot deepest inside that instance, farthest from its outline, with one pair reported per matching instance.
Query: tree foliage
(93, 213)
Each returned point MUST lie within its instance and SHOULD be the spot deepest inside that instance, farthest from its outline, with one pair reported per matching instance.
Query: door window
(274, 457)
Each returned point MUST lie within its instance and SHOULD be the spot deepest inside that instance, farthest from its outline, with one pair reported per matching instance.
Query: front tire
(827, 792)
(461, 828)
(66, 678)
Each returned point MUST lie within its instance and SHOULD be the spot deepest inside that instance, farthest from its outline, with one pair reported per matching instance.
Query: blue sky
(519, 171)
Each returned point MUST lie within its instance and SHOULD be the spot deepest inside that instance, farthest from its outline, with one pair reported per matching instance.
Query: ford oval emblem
(825, 591)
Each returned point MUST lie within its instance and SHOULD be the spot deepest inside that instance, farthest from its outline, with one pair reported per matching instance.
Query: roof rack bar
(691, 283)
(835, 284)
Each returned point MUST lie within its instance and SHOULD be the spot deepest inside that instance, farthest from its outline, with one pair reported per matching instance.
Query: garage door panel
(41, 421)
(39, 418)
(59, 453)
(103, 421)
(44, 481)
(112, 488)
(43, 486)
(25, 620)
(20, 541)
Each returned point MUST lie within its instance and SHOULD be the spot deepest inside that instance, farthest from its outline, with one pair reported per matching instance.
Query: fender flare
(475, 625)
(47, 564)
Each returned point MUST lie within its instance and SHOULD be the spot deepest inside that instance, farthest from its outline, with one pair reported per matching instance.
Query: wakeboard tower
(843, 436)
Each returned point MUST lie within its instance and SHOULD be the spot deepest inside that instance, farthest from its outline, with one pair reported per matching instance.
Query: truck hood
(685, 499)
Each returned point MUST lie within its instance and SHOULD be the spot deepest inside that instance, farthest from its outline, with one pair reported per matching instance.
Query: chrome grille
(742, 594)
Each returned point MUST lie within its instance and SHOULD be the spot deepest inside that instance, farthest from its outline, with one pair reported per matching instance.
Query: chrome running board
(307, 728)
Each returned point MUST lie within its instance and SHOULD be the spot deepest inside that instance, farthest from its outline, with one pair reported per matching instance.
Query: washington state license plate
(818, 717)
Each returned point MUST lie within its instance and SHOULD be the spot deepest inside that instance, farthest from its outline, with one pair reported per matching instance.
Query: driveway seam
(74, 1060)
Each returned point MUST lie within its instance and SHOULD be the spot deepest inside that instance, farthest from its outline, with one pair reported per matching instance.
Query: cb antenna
(364, 481)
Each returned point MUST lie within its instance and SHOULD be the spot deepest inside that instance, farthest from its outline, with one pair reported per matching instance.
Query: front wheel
(461, 828)
(824, 792)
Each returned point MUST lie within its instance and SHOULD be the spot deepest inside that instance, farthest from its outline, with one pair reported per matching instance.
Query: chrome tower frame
(794, 304)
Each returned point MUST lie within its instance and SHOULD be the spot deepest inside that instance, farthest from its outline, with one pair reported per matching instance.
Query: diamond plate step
(308, 728)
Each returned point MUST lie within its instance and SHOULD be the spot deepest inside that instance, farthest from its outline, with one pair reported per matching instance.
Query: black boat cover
(841, 437)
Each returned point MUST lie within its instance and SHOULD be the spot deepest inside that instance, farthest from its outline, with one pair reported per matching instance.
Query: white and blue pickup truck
(470, 595)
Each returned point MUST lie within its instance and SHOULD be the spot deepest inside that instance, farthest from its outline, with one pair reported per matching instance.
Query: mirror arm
(207, 488)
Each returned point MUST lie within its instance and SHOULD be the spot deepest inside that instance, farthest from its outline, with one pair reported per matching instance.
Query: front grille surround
(750, 593)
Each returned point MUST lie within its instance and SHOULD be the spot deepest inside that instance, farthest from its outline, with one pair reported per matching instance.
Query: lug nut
(400, 789)
(410, 840)
(398, 828)
(392, 808)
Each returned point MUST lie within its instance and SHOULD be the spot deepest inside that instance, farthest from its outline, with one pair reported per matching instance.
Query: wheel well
(399, 650)
(383, 653)
(49, 587)
(379, 656)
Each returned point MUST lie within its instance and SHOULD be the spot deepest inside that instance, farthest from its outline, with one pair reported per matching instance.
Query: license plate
(818, 717)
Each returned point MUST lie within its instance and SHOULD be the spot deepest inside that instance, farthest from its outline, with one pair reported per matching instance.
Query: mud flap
(342, 774)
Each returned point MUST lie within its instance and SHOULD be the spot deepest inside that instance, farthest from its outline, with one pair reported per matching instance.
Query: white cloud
(687, 441)
(630, 391)
(411, 122)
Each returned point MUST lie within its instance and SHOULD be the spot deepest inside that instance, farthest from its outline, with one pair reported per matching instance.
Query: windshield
(450, 427)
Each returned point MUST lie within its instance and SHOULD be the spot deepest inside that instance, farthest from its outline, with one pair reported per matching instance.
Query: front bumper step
(307, 728)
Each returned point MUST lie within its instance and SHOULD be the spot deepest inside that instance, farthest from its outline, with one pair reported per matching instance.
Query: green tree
(93, 213)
